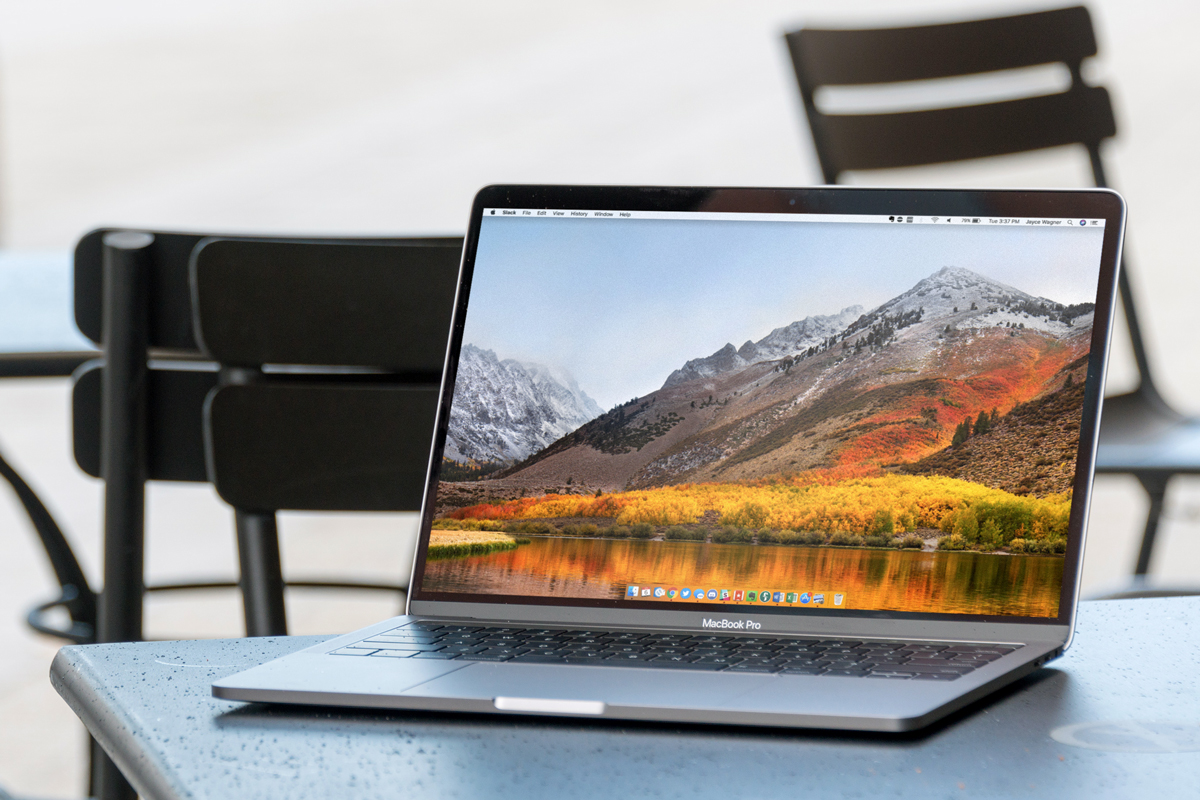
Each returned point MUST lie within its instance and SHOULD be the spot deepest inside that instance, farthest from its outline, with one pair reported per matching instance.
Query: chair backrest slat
(855, 57)
(174, 433)
(170, 298)
(320, 447)
(1079, 115)
(386, 306)
(856, 141)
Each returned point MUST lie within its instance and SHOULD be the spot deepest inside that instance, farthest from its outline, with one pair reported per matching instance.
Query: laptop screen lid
(804, 410)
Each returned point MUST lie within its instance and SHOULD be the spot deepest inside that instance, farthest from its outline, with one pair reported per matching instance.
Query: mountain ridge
(890, 387)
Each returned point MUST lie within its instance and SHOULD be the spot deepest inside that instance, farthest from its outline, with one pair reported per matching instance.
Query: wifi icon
(935, 219)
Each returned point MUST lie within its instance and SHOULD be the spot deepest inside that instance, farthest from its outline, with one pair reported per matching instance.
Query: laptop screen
(820, 412)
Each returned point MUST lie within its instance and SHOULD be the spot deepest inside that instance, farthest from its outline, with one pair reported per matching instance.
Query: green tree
(990, 536)
(966, 525)
(983, 423)
(961, 433)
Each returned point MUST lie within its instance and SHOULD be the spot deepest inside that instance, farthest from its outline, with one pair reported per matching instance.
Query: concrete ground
(385, 117)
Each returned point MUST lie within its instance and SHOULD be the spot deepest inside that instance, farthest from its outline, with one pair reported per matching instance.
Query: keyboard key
(440, 655)
(801, 671)
(462, 648)
(482, 657)
(941, 663)
(404, 646)
(352, 651)
(676, 658)
(936, 676)
(393, 654)
(921, 669)
(744, 667)
(710, 651)
(530, 658)
(670, 637)
(692, 665)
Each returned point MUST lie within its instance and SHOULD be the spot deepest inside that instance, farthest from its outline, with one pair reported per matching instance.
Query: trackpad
(607, 685)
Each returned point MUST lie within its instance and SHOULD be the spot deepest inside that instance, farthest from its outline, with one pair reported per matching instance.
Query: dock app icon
(632, 591)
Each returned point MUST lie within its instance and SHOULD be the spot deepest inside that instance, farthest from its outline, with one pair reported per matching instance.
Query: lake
(894, 580)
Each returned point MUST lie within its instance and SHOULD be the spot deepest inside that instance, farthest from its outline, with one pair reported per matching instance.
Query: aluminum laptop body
(792, 457)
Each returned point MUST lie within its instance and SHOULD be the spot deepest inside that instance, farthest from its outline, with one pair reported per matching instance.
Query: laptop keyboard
(931, 661)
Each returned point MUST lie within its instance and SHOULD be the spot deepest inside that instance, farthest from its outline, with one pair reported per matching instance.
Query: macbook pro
(791, 457)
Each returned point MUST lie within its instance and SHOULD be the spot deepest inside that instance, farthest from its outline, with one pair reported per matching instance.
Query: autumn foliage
(850, 500)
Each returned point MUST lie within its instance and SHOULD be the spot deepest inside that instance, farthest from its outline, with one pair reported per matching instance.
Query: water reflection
(895, 580)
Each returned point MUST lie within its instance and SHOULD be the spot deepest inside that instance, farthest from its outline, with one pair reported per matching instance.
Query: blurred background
(372, 117)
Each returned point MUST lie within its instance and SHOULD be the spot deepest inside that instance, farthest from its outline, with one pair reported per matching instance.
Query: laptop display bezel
(1092, 204)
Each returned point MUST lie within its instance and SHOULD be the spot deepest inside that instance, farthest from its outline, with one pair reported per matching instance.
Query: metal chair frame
(1139, 430)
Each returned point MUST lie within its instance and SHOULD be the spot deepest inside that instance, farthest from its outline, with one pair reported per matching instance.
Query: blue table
(1117, 716)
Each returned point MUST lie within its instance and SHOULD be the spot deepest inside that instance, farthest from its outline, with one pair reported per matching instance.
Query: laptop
(786, 457)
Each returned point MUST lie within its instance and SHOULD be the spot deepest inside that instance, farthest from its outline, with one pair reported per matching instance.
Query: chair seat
(1139, 433)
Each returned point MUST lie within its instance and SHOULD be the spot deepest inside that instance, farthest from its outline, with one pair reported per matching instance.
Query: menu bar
(872, 219)
(869, 218)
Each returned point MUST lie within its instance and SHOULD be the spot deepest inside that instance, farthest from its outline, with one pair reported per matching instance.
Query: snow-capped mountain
(885, 388)
(974, 301)
(779, 343)
(505, 410)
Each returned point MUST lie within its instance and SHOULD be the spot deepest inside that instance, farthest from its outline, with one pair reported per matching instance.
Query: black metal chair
(1140, 434)
(293, 374)
(294, 330)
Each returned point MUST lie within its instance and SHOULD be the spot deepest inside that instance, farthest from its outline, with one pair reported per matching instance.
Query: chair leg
(1155, 486)
(262, 574)
(126, 329)
(107, 782)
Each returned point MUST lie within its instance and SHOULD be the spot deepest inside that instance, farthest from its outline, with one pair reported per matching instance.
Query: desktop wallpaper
(824, 415)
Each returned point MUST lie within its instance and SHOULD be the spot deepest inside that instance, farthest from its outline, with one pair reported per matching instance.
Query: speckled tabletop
(1117, 716)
